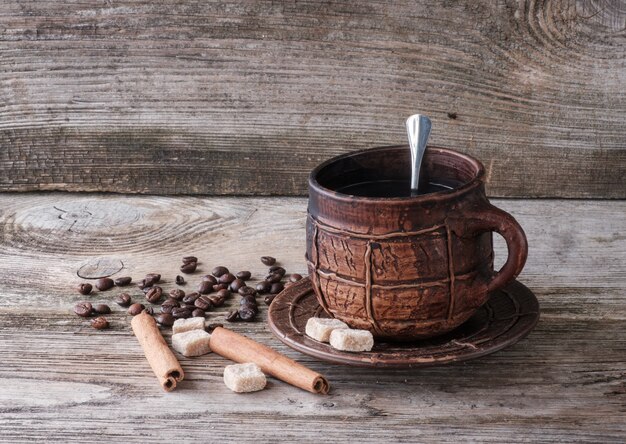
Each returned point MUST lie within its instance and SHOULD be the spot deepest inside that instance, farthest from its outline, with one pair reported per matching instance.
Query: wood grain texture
(61, 380)
(240, 97)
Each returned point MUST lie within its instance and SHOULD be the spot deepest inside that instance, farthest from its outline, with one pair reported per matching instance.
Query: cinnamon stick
(163, 362)
(241, 349)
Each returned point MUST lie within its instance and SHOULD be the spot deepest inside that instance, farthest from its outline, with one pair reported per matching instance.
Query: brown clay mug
(406, 267)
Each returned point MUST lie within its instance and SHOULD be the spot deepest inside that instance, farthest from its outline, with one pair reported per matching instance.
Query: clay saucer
(508, 316)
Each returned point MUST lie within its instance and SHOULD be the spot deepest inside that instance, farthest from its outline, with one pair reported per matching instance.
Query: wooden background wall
(245, 97)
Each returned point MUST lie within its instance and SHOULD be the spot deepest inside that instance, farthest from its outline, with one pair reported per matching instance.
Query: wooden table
(62, 380)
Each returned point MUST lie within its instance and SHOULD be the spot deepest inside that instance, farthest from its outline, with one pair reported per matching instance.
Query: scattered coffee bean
(227, 278)
(177, 294)
(123, 300)
(269, 298)
(218, 271)
(181, 312)
(268, 260)
(190, 307)
(247, 291)
(216, 300)
(165, 319)
(223, 293)
(277, 287)
(171, 302)
(273, 277)
(104, 284)
(84, 289)
(83, 309)
(197, 313)
(167, 308)
(180, 280)
(248, 299)
(205, 287)
(247, 313)
(189, 259)
(210, 278)
(263, 287)
(123, 281)
(237, 284)
(191, 298)
(213, 326)
(155, 278)
(295, 277)
(100, 323)
(203, 303)
(154, 294)
(135, 309)
(232, 316)
(102, 309)
(289, 284)
(244, 275)
(218, 287)
(277, 269)
(144, 283)
(189, 268)
(149, 310)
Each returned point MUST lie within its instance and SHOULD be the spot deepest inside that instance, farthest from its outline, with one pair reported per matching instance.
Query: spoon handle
(418, 129)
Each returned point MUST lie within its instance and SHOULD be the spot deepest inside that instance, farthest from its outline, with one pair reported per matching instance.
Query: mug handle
(490, 218)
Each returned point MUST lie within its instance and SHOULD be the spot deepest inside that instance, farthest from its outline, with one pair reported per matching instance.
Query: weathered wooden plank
(246, 97)
(61, 380)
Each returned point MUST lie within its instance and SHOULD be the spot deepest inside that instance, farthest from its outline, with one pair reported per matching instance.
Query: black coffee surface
(392, 188)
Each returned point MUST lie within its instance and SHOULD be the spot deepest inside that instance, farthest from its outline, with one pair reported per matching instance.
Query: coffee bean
(84, 289)
(263, 287)
(177, 294)
(289, 284)
(154, 294)
(268, 260)
(214, 325)
(203, 303)
(180, 280)
(123, 281)
(135, 309)
(245, 291)
(181, 312)
(123, 300)
(246, 313)
(190, 307)
(295, 277)
(165, 319)
(223, 293)
(227, 278)
(273, 277)
(232, 316)
(277, 269)
(100, 323)
(216, 300)
(218, 271)
(244, 275)
(104, 284)
(237, 284)
(205, 287)
(197, 313)
(171, 302)
(155, 278)
(144, 283)
(277, 288)
(149, 310)
(218, 287)
(269, 298)
(247, 300)
(189, 268)
(102, 309)
(191, 298)
(210, 278)
(167, 308)
(83, 309)
(189, 259)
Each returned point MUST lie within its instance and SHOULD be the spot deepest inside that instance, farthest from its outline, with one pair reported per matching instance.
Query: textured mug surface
(406, 267)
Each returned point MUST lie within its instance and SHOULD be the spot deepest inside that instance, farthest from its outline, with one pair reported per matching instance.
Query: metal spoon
(418, 130)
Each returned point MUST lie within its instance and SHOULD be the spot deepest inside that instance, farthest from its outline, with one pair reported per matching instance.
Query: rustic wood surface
(186, 97)
(61, 380)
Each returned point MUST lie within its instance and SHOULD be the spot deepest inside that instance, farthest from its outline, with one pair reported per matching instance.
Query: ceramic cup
(406, 267)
